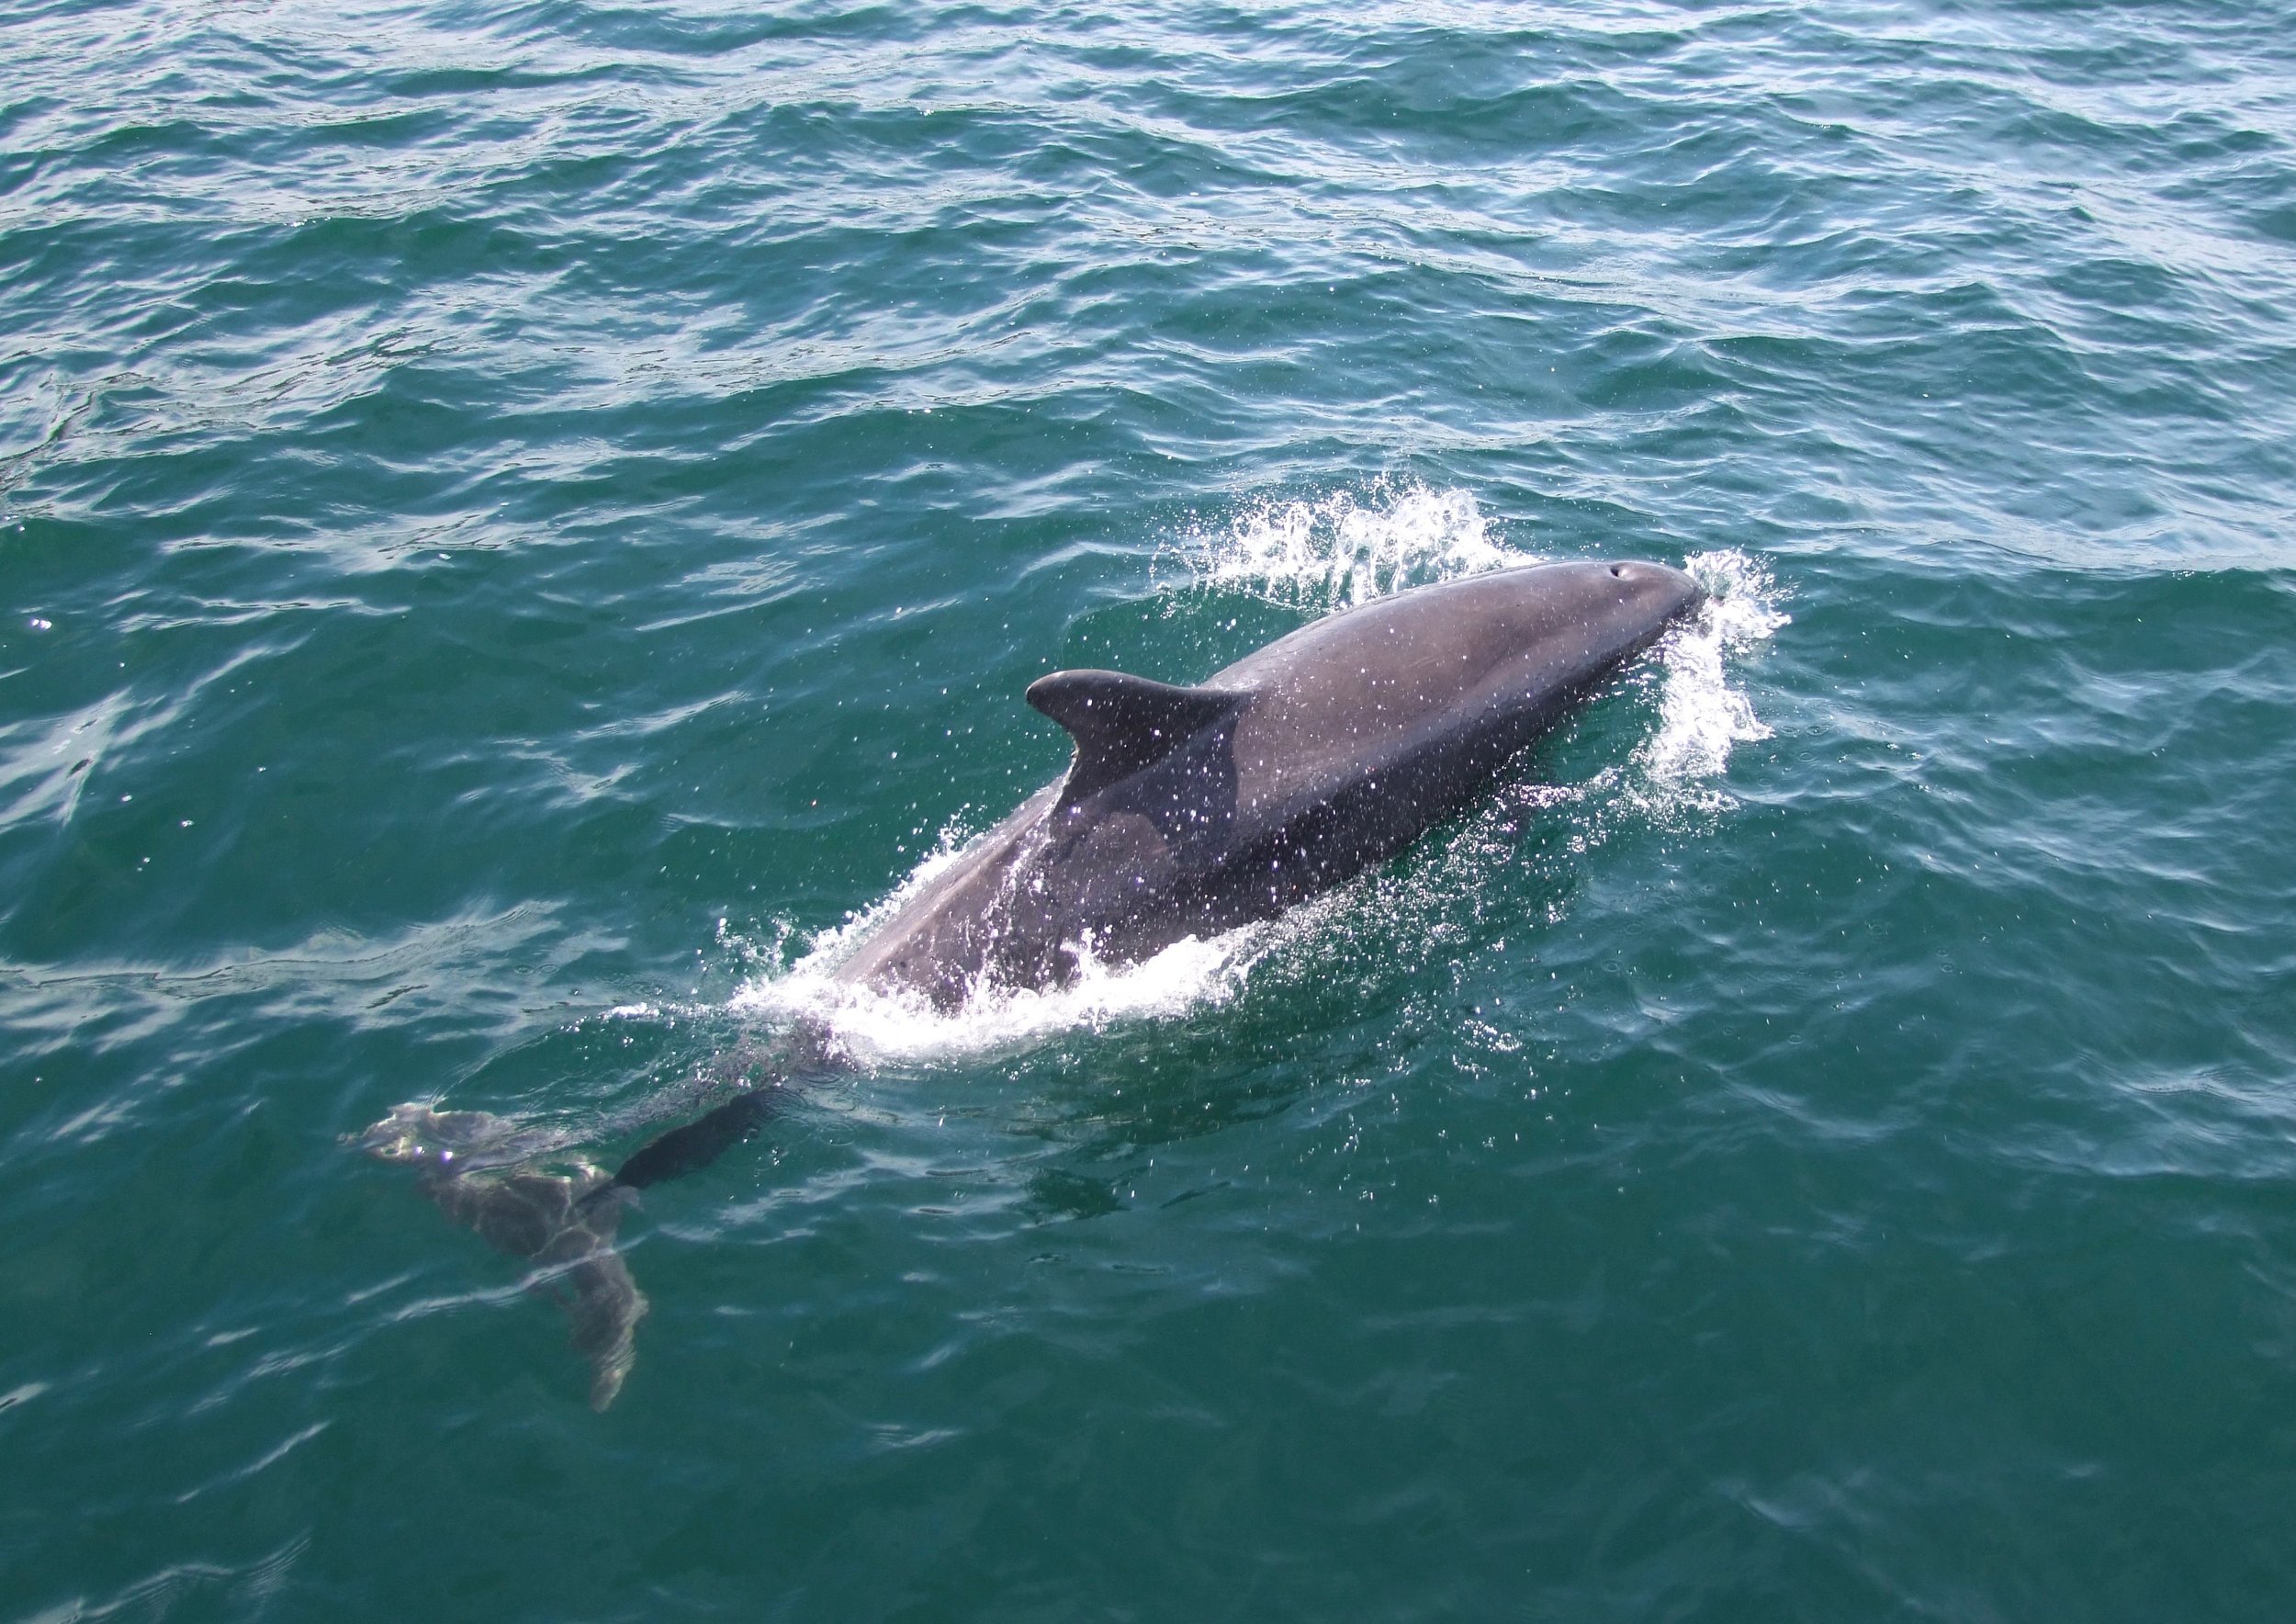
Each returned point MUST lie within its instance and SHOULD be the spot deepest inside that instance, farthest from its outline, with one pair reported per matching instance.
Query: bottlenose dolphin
(1186, 811)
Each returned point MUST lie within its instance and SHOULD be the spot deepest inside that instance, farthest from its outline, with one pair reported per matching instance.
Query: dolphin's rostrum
(1187, 811)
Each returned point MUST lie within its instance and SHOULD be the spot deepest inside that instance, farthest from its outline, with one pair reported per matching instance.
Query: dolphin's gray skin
(1189, 811)
(1184, 812)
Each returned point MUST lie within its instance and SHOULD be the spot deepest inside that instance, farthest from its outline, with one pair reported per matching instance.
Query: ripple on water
(487, 494)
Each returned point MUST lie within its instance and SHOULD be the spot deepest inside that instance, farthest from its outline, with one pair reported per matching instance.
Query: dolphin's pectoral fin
(1121, 724)
(562, 1221)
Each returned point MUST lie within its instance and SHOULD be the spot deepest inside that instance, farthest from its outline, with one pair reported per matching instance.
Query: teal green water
(518, 523)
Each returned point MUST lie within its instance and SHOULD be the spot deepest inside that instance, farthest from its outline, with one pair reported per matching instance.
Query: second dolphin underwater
(1186, 811)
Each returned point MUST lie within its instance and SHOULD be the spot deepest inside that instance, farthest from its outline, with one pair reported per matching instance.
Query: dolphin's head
(1634, 593)
(1595, 614)
(1412, 658)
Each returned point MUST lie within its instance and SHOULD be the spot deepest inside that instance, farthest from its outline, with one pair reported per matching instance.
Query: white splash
(1340, 550)
(1701, 716)
(796, 980)
(877, 1028)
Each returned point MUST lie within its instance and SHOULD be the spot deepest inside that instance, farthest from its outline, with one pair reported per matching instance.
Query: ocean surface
(525, 527)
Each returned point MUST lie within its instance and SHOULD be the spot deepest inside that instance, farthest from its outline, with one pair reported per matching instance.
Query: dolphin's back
(1190, 810)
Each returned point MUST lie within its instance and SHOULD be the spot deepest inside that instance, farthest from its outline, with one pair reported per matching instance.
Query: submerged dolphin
(1187, 811)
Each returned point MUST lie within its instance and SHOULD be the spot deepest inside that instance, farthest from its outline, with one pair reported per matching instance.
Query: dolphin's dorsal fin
(1121, 724)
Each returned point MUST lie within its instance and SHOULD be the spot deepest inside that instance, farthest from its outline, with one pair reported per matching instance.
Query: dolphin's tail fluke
(529, 1192)
(525, 1198)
